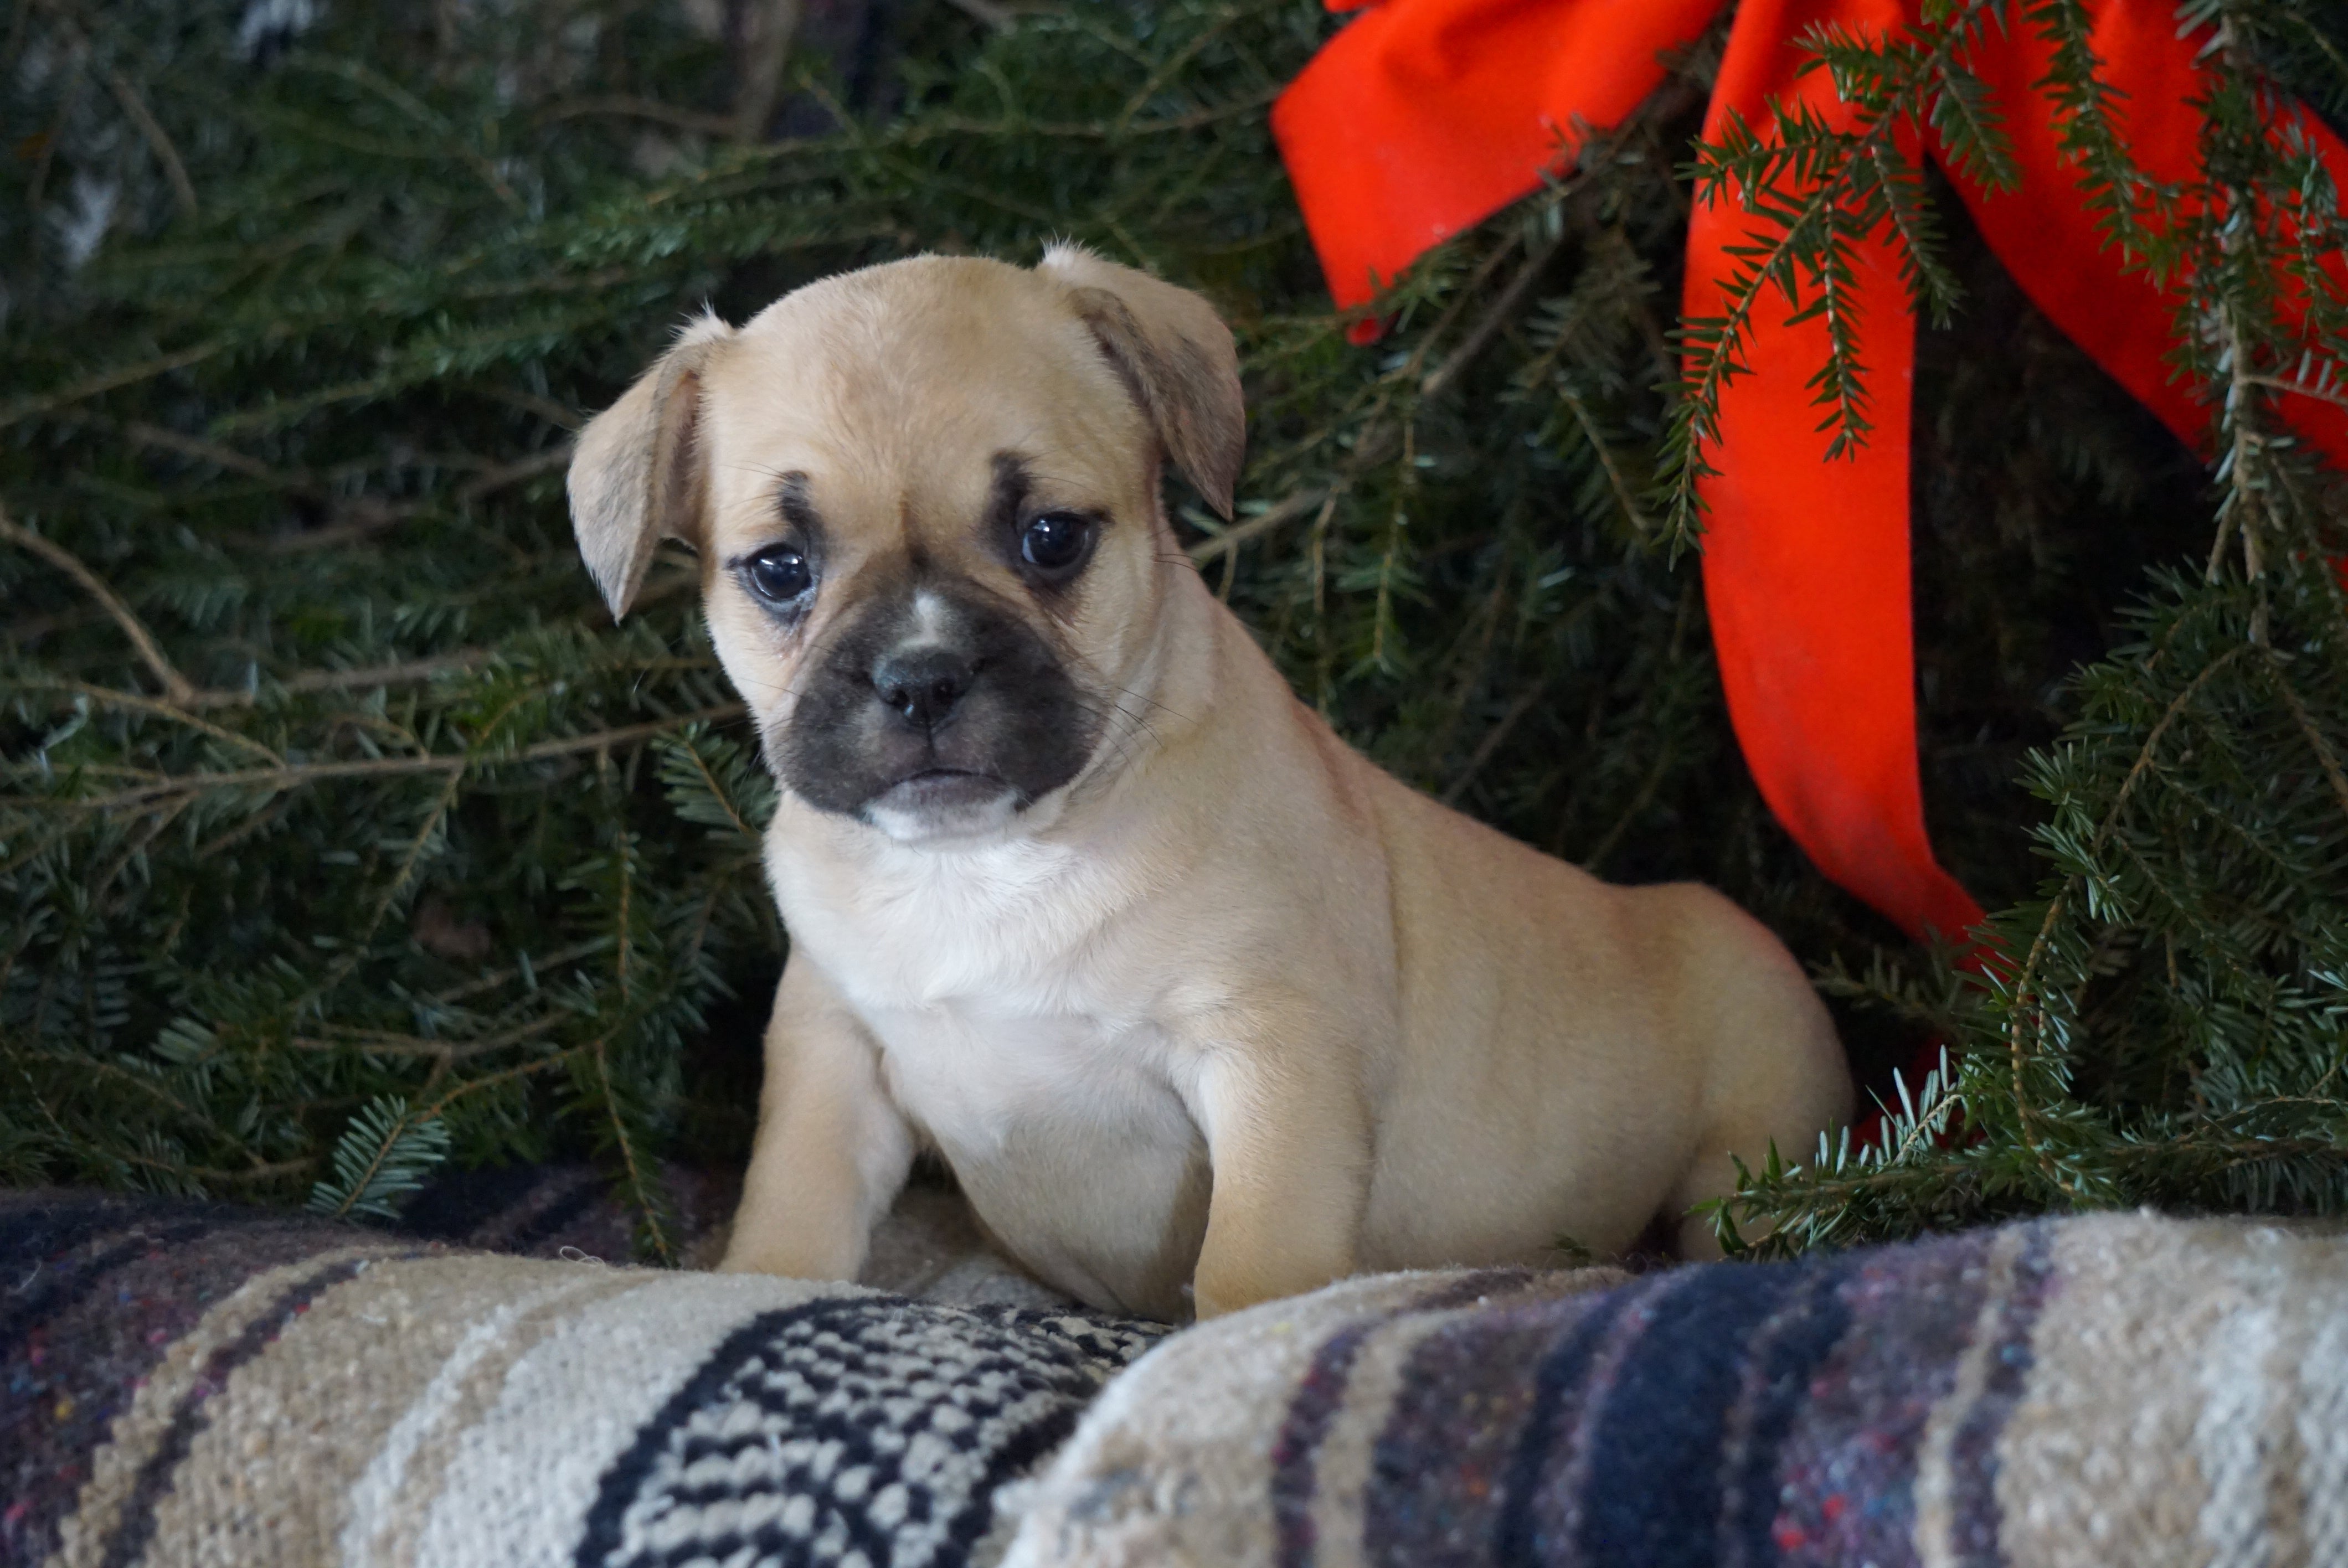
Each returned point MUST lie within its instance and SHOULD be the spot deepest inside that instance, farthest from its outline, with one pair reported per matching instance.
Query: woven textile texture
(188, 1383)
(2102, 1390)
(185, 1383)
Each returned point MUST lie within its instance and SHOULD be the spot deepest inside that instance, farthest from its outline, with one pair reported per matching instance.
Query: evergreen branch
(2322, 747)
(1397, 519)
(504, 474)
(2113, 187)
(402, 876)
(98, 385)
(421, 364)
(1625, 496)
(641, 1192)
(1488, 326)
(1972, 132)
(622, 934)
(143, 1083)
(1717, 343)
(253, 1174)
(546, 408)
(624, 106)
(175, 685)
(149, 130)
(137, 844)
(718, 793)
(553, 961)
(2026, 1005)
(227, 457)
(1168, 67)
(1642, 797)
(355, 946)
(296, 776)
(382, 1155)
(1230, 540)
(183, 190)
(1845, 201)
(412, 671)
(1002, 18)
(178, 713)
(2319, 391)
(379, 1043)
(2242, 470)
(465, 1091)
(1841, 381)
(1376, 438)
(1931, 285)
(1493, 738)
(366, 78)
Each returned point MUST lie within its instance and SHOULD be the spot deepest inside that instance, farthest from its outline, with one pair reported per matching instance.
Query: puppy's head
(925, 500)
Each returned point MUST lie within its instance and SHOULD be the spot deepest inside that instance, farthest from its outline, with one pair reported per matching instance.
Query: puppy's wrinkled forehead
(893, 402)
(888, 400)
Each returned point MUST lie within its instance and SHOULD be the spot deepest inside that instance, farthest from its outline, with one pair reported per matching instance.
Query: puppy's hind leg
(832, 1149)
(1805, 1091)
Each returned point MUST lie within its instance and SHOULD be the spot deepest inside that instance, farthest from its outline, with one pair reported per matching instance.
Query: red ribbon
(1424, 116)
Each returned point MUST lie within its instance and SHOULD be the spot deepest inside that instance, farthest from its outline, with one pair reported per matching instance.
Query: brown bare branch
(175, 685)
(297, 775)
(621, 106)
(2307, 726)
(772, 26)
(1232, 538)
(365, 678)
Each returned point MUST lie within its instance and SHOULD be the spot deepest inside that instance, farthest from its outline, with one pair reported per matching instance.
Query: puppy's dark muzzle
(933, 707)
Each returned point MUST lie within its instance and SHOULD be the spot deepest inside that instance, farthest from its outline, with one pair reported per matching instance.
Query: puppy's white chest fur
(994, 930)
(1052, 1095)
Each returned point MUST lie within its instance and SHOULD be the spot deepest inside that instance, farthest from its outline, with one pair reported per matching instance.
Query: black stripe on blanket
(850, 1426)
(1293, 1475)
(1656, 1458)
(1976, 1520)
(1322, 1393)
(1786, 1353)
(1515, 1535)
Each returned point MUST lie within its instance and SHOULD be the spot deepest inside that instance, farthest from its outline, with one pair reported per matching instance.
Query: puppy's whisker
(1118, 744)
(1102, 679)
(1139, 697)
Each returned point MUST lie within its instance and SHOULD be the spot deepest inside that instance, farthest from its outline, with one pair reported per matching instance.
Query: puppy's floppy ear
(1176, 356)
(638, 474)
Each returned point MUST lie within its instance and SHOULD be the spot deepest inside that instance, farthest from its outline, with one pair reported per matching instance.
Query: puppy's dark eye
(778, 574)
(1055, 542)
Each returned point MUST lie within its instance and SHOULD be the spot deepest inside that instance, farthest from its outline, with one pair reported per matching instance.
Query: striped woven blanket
(2108, 1392)
(193, 1384)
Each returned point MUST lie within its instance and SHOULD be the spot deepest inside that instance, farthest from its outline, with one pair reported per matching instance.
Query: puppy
(1079, 895)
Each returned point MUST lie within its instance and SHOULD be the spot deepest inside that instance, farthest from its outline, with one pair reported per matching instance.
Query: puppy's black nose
(922, 683)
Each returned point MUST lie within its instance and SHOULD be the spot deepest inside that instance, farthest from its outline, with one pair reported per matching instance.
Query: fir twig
(175, 685)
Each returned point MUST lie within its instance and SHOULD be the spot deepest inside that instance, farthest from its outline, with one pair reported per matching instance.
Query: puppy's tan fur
(1232, 1004)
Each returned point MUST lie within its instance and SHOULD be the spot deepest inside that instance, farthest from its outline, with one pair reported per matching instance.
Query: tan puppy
(1081, 896)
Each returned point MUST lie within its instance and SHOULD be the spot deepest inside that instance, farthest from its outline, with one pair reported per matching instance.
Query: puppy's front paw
(1206, 1303)
(748, 1253)
(1210, 1301)
(1218, 1290)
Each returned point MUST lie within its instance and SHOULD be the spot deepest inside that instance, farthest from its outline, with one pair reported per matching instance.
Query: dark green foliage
(384, 1155)
(340, 827)
(2167, 1020)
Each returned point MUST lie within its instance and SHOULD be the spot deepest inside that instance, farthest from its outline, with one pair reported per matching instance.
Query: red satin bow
(1424, 116)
